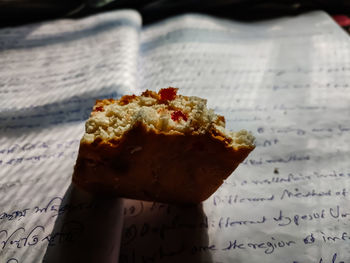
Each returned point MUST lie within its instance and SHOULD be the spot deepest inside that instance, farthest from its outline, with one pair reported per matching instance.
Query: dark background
(19, 12)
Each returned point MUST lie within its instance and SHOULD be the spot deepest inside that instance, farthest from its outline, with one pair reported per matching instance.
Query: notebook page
(287, 81)
(50, 76)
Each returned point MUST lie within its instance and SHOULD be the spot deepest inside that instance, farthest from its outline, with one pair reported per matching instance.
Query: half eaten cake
(160, 147)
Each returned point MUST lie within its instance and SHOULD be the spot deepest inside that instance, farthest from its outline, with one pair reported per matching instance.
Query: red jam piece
(176, 115)
(99, 108)
(168, 93)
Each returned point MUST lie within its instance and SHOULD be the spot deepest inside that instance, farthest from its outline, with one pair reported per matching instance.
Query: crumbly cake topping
(165, 112)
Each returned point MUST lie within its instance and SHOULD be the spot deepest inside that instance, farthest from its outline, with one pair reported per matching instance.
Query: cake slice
(158, 147)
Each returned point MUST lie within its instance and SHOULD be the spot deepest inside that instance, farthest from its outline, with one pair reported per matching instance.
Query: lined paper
(285, 80)
(50, 76)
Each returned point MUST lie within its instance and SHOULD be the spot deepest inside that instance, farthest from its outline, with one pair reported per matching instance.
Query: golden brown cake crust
(146, 165)
(183, 161)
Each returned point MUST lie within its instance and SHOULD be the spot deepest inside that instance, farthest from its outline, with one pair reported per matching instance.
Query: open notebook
(286, 80)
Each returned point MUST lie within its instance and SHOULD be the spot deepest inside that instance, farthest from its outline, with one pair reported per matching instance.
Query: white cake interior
(113, 119)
